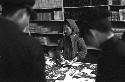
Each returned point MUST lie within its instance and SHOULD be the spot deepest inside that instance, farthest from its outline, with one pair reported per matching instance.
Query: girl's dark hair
(72, 24)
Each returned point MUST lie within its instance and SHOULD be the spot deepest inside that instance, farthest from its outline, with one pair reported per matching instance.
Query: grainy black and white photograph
(62, 40)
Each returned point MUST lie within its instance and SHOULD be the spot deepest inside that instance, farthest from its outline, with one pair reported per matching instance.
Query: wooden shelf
(74, 9)
(104, 6)
(80, 8)
(50, 45)
(112, 7)
(50, 22)
(47, 35)
(44, 10)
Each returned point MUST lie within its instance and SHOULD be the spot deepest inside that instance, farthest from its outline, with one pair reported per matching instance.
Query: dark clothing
(123, 36)
(9, 6)
(68, 49)
(21, 56)
(72, 47)
(92, 56)
(111, 66)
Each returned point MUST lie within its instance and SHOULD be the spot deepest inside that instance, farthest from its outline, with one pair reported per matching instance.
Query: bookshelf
(54, 12)
(117, 16)
(116, 7)
(47, 26)
(118, 19)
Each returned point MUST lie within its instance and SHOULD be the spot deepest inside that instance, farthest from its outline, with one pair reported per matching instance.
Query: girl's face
(67, 30)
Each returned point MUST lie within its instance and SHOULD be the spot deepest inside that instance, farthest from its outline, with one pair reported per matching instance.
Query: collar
(109, 42)
(110, 36)
(91, 47)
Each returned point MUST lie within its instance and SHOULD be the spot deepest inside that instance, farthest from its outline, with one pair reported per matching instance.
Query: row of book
(41, 29)
(44, 16)
(60, 3)
(44, 29)
(34, 28)
(116, 2)
(55, 15)
(48, 4)
(118, 32)
(118, 15)
(78, 3)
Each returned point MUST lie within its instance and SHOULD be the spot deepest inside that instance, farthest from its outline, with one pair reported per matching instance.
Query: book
(114, 2)
(48, 4)
(115, 16)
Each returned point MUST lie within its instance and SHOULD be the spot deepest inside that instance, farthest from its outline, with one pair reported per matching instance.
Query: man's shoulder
(117, 46)
(7, 25)
(5, 20)
(120, 46)
(30, 40)
(33, 45)
(113, 45)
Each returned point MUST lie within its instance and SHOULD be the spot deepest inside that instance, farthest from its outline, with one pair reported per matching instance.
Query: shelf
(80, 8)
(46, 22)
(116, 7)
(47, 10)
(47, 35)
(112, 7)
(104, 6)
(118, 30)
(74, 9)
(50, 45)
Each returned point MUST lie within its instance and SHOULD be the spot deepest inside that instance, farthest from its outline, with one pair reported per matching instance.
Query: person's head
(17, 11)
(67, 30)
(94, 25)
(70, 27)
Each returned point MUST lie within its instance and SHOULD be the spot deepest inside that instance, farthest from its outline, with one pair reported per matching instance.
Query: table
(75, 72)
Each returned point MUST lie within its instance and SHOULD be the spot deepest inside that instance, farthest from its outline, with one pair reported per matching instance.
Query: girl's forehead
(67, 26)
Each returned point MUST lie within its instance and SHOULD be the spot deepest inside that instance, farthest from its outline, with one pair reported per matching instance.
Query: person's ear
(20, 14)
(93, 32)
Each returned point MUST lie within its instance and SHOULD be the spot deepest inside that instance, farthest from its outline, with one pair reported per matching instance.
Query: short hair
(10, 7)
(13, 10)
(94, 18)
(10, 11)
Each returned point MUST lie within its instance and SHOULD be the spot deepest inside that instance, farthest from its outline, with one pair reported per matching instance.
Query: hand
(74, 60)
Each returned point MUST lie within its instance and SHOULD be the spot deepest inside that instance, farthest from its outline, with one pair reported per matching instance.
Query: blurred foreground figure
(21, 56)
(95, 28)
